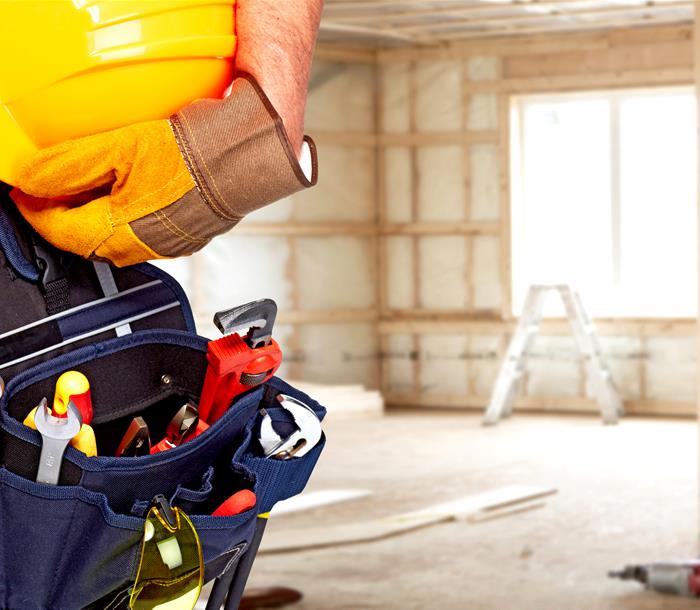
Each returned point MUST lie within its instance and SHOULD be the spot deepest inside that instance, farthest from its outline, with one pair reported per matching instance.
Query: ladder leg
(504, 390)
(587, 340)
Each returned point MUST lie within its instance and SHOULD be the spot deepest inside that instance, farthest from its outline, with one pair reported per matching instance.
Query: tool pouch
(131, 332)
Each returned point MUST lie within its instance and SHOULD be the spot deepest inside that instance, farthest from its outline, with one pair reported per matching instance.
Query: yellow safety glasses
(171, 566)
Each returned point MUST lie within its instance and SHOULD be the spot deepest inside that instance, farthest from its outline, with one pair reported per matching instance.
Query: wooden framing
(539, 404)
(408, 22)
(598, 61)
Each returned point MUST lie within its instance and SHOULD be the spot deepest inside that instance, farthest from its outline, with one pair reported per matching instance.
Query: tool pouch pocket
(76, 545)
(87, 530)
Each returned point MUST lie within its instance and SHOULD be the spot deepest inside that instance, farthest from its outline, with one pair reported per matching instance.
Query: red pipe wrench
(237, 364)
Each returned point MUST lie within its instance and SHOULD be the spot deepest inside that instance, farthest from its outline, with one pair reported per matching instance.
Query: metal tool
(297, 444)
(184, 426)
(136, 441)
(513, 367)
(237, 364)
(72, 388)
(56, 433)
(673, 578)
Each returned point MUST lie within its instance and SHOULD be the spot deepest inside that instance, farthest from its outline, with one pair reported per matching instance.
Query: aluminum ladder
(513, 367)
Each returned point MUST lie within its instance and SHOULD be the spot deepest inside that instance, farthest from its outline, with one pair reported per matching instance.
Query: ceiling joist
(420, 22)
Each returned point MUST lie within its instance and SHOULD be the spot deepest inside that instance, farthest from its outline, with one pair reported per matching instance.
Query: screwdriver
(73, 386)
(238, 503)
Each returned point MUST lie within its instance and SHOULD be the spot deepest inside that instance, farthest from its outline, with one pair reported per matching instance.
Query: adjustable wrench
(297, 444)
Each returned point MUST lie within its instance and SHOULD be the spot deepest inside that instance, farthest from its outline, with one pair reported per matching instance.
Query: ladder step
(512, 367)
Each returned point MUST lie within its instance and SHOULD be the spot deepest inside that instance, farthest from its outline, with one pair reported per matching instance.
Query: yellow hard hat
(70, 68)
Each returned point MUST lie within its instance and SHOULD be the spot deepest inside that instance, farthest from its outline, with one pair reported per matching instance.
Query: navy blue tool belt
(76, 545)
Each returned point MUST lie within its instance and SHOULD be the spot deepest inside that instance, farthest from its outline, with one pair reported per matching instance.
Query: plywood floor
(626, 493)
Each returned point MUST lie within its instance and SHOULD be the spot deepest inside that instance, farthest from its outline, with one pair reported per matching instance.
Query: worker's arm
(166, 188)
(276, 40)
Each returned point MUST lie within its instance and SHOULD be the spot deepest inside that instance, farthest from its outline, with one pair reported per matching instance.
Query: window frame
(518, 105)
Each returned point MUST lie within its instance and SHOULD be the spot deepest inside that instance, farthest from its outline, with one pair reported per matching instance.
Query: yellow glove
(164, 188)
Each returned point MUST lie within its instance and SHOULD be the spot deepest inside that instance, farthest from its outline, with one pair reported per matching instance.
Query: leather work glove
(163, 188)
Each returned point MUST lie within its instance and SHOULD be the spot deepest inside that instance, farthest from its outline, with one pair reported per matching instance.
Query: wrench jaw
(299, 443)
(56, 433)
(269, 439)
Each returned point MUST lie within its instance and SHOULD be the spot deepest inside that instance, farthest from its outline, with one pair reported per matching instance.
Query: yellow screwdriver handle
(85, 441)
(70, 384)
(29, 420)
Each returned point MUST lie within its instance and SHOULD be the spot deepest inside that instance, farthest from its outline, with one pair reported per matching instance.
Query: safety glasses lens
(171, 567)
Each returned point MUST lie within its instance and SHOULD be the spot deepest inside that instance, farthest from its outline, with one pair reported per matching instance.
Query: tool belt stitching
(199, 182)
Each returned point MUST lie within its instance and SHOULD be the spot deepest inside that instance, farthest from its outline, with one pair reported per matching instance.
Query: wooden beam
(538, 404)
(557, 14)
(562, 27)
(402, 6)
(435, 138)
(334, 27)
(318, 316)
(662, 55)
(549, 42)
(397, 16)
(696, 54)
(315, 229)
(439, 138)
(340, 53)
(504, 201)
(358, 139)
(441, 228)
(602, 80)
(331, 316)
(452, 323)
(360, 229)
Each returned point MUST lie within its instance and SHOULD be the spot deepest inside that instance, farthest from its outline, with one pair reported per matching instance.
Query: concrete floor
(627, 493)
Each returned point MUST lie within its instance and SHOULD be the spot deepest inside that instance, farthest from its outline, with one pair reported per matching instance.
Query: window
(604, 198)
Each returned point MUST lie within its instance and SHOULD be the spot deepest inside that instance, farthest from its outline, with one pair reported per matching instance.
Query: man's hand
(276, 40)
(165, 188)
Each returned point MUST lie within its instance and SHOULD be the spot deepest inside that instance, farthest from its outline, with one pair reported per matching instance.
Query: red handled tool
(238, 503)
(237, 364)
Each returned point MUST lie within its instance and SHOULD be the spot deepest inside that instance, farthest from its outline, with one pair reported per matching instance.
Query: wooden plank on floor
(297, 539)
(316, 499)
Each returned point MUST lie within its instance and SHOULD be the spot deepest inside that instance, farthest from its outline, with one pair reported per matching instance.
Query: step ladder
(513, 367)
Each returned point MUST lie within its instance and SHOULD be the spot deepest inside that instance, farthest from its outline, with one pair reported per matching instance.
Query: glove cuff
(240, 159)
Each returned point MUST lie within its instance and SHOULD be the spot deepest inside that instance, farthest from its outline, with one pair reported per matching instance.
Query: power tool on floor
(670, 577)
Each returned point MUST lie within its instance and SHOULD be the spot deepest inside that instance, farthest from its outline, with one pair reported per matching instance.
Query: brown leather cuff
(240, 159)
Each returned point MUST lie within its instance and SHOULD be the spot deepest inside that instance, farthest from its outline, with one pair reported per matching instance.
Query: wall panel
(437, 91)
(345, 189)
(337, 271)
(440, 184)
(442, 270)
